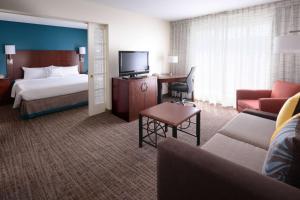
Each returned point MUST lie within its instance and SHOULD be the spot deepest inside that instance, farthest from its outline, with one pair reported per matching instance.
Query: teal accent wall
(39, 37)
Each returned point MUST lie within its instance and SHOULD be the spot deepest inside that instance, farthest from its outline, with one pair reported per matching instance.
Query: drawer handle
(144, 87)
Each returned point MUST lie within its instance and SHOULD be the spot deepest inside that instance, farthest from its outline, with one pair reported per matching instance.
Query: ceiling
(40, 20)
(180, 9)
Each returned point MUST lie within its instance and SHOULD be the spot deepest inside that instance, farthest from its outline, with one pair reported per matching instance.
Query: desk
(167, 79)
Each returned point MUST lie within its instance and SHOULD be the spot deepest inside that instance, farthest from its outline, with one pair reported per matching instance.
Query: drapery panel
(180, 36)
(286, 21)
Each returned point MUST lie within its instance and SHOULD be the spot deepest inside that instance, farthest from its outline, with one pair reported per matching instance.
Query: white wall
(127, 30)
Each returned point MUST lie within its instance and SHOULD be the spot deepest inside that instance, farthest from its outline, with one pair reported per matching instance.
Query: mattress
(35, 89)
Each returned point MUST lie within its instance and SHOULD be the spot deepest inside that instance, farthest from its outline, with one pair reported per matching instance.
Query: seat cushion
(283, 89)
(180, 87)
(238, 152)
(254, 104)
(250, 129)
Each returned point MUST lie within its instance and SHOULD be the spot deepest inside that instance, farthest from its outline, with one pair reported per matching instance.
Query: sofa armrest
(272, 105)
(253, 94)
(187, 172)
(266, 115)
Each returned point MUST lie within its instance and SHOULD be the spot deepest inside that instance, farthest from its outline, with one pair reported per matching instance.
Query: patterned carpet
(68, 155)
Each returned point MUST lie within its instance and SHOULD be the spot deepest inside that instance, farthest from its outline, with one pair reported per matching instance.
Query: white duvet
(47, 87)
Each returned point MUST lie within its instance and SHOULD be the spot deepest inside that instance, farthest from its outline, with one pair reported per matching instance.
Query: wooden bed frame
(41, 58)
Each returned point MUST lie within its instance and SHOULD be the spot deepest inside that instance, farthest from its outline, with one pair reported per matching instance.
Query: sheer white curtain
(231, 51)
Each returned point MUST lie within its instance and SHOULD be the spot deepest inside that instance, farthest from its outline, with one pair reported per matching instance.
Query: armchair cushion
(254, 104)
(282, 89)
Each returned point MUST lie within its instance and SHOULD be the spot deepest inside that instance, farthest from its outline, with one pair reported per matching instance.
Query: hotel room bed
(36, 96)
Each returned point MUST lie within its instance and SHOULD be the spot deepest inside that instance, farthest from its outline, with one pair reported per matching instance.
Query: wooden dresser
(130, 96)
(5, 89)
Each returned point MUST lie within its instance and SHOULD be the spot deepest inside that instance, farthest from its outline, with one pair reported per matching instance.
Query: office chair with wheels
(184, 87)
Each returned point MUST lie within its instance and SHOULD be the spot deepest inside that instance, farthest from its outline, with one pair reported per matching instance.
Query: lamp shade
(287, 44)
(82, 51)
(173, 59)
(10, 49)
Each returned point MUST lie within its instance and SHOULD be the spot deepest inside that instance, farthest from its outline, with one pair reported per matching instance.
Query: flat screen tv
(133, 62)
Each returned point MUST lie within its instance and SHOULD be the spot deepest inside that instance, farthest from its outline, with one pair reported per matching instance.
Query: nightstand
(5, 89)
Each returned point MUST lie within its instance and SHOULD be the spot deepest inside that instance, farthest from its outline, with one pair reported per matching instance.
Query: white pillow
(35, 73)
(55, 72)
(68, 71)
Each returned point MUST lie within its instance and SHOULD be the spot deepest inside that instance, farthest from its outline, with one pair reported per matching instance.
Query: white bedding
(47, 87)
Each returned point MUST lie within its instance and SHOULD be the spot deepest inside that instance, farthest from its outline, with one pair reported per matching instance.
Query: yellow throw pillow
(287, 110)
(283, 125)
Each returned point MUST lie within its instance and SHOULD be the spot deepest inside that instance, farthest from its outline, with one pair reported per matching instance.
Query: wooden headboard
(42, 58)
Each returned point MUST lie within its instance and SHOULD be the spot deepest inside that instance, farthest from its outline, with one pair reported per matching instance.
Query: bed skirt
(35, 108)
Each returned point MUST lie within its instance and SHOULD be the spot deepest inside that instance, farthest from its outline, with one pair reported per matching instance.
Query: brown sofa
(228, 166)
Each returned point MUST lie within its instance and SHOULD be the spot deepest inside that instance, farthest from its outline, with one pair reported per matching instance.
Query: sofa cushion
(236, 151)
(283, 89)
(283, 157)
(254, 104)
(250, 129)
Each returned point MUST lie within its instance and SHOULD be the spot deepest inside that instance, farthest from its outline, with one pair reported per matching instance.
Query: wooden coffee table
(170, 115)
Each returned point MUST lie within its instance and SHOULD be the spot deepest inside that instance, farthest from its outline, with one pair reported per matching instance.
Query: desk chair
(184, 87)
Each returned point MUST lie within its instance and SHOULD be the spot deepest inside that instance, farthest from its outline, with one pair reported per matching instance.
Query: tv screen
(133, 62)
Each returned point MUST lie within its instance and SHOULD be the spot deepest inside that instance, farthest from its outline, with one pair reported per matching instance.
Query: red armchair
(266, 100)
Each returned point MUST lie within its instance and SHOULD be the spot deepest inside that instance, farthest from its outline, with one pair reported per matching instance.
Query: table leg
(155, 132)
(193, 98)
(169, 90)
(159, 91)
(174, 131)
(198, 128)
(140, 131)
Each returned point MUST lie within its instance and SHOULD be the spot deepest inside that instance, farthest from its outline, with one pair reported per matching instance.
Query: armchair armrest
(186, 172)
(266, 115)
(272, 105)
(253, 94)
